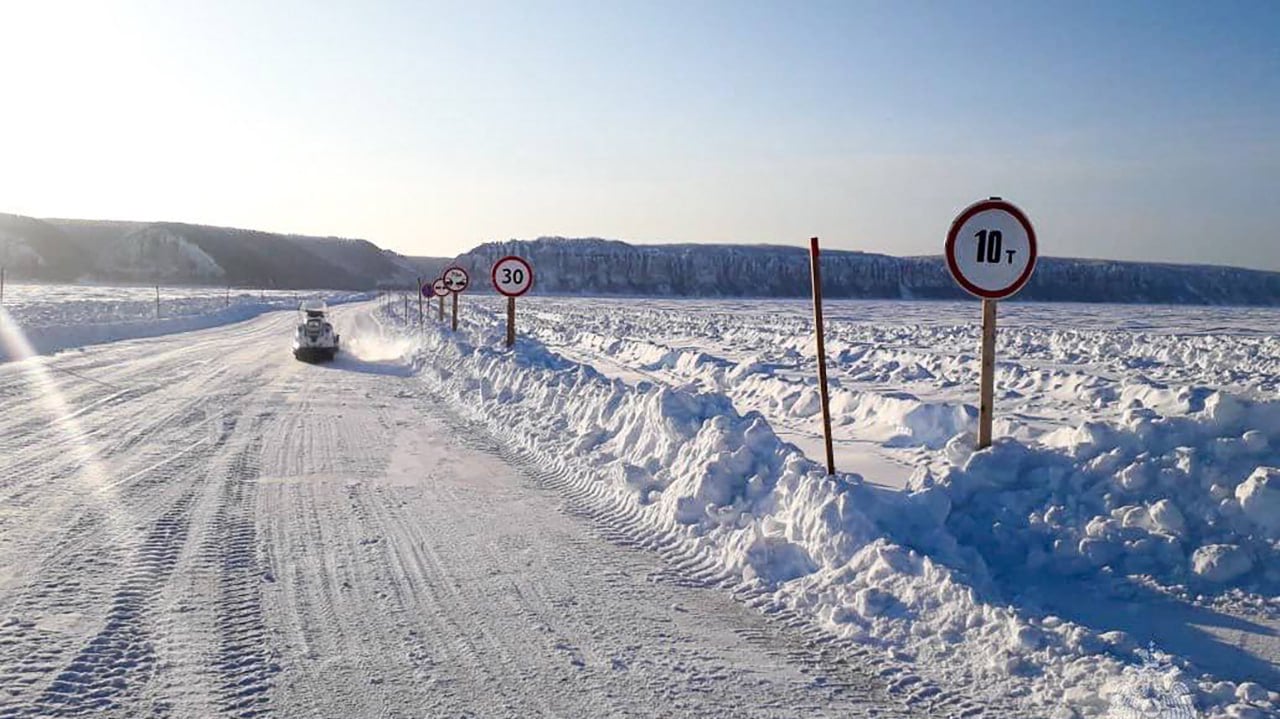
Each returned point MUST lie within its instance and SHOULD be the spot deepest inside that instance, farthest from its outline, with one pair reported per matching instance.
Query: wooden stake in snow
(822, 354)
(991, 252)
(157, 301)
(421, 289)
(987, 383)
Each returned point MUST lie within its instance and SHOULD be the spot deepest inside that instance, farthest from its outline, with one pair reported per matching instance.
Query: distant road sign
(512, 276)
(438, 288)
(456, 279)
(991, 249)
(425, 290)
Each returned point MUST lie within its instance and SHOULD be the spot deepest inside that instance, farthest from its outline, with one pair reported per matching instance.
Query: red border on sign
(493, 275)
(963, 217)
(466, 274)
(433, 287)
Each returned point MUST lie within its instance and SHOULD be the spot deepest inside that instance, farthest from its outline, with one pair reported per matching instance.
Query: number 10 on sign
(512, 276)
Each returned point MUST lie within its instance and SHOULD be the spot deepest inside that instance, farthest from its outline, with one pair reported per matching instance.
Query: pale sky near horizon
(1128, 130)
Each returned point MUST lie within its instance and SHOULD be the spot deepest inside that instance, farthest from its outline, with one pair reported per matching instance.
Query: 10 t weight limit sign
(991, 249)
(991, 252)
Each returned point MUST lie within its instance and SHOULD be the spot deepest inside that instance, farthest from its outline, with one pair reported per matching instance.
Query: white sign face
(512, 276)
(438, 289)
(991, 249)
(456, 279)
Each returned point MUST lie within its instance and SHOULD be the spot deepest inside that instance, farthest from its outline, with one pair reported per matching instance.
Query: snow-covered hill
(177, 253)
(595, 266)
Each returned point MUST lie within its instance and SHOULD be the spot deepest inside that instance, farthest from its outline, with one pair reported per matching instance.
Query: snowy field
(56, 317)
(627, 516)
(1136, 466)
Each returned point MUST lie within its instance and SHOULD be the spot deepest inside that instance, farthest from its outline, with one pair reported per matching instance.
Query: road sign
(512, 276)
(456, 279)
(438, 288)
(991, 252)
(991, 249)
(426, 290)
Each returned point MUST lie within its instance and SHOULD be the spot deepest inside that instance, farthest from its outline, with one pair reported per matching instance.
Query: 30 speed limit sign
(991, 249)
(512, 276)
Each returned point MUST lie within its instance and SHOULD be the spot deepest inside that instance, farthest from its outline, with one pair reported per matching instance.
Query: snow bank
(1187, 500)
(916, 574)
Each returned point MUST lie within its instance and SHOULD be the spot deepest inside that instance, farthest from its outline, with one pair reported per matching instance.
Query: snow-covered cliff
(595, 266)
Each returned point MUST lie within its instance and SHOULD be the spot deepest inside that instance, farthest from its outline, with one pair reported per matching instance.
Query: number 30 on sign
(512, 276)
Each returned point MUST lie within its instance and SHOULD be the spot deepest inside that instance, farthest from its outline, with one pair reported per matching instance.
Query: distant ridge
(598, 266)
(60, 250)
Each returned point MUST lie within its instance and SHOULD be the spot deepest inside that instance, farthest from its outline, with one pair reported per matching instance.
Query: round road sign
(456, 279)
(425, 289)
(512, 276)
(438, 288)
(991, 249)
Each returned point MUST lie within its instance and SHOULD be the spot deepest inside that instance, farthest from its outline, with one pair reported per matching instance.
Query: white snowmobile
(315, 340)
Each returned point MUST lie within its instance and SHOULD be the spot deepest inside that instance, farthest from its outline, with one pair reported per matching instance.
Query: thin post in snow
(820, 336)
(511, 321)
(986, 384)
(157, 300)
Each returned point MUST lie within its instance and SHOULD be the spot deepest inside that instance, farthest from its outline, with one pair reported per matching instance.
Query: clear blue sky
(1125, 129)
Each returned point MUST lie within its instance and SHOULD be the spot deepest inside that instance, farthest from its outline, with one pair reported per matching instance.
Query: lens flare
(91, 477)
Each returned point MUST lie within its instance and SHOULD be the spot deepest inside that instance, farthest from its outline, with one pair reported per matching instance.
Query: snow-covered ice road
(199, 526)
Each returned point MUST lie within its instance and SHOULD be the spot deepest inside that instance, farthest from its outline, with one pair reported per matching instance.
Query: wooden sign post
(991, 252)
(987, 382)
(456, 280)
(422, 290)
(512, 276)
(820, 336)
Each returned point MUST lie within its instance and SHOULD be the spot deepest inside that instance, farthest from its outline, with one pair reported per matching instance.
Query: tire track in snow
(244, 663)
(121, 656)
